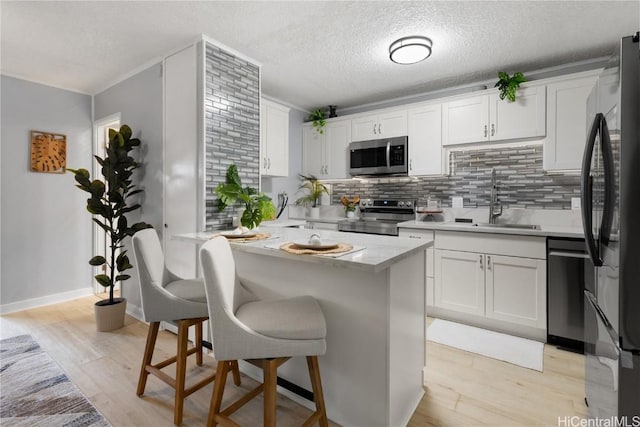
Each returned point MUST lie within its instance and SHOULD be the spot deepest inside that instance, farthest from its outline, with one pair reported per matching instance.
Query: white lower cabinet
(459, 281)
(474, 275)
(515, 290)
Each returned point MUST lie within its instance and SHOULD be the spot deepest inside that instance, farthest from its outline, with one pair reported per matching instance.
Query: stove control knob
(369, 203)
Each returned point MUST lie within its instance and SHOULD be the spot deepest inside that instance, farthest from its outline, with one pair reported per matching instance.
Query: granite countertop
(378, 253)
(544, 231)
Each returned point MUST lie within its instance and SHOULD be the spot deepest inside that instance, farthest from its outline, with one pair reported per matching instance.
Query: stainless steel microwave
(379, 157)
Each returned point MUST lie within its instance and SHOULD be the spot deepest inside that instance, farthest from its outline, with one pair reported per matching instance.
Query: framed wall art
(48, 152)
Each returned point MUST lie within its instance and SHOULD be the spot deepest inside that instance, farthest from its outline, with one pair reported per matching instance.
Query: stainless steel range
(380, 216)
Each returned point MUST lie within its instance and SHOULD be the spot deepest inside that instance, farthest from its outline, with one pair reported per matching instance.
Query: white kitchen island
(373, 302)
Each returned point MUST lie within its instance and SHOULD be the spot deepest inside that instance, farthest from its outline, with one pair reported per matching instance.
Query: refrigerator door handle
(585, 191)
(609, 183)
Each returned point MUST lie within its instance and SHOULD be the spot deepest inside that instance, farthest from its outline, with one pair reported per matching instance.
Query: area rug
(36, 392)
(515, 350)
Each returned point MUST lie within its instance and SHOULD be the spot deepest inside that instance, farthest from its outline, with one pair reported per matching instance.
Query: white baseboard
(46, 300)
(135, 312)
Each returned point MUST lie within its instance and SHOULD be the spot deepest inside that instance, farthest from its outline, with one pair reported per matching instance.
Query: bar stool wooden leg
(152, 335)
(236, 372)
(316, 384)
(181, 370)
(270, 368)
(218, 390)
(199, 343)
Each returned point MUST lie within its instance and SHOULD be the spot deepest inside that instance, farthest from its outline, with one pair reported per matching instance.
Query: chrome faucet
(495, 208)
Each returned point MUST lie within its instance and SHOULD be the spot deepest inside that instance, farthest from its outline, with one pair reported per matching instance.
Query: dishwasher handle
(569, 254)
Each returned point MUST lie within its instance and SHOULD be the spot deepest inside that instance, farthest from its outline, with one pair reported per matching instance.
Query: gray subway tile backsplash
(521, 180)
(232, 126)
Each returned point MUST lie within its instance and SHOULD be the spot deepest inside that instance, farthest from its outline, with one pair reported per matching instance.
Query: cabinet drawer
(416, 233)
(497, 244)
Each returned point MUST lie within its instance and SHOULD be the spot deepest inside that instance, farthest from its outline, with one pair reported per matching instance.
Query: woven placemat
(292, 248)
(259, 236)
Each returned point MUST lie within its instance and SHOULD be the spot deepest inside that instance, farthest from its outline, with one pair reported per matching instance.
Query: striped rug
(36, 392)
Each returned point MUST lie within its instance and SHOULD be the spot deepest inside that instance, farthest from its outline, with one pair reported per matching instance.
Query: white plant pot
(351, 214)
(314, 212)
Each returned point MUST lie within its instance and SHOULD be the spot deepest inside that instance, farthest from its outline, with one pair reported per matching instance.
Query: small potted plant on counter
(350, 205)
(258, 206)
(315, 189)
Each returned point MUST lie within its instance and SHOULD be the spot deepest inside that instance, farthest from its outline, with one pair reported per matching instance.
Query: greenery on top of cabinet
(509, 85)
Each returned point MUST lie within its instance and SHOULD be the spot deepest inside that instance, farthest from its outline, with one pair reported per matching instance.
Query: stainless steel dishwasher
(568, 267)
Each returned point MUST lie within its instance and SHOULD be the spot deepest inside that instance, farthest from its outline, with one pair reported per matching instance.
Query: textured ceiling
(313, 53)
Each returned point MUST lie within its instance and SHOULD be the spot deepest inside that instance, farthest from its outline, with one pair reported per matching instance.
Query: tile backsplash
(521, 181)
(232, 122)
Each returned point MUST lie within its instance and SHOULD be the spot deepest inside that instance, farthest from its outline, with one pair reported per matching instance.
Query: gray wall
(139, 100)
(45, 228)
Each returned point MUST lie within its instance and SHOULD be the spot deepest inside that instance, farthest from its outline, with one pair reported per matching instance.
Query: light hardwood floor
(462, 389)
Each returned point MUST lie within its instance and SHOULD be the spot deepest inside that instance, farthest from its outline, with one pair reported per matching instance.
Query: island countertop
(378, 253)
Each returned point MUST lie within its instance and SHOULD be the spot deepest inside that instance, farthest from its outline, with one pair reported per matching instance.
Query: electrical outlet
(456, 202)
(575, 203)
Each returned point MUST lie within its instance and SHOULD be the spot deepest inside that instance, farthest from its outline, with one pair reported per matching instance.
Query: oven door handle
(569, 254)
(388, 154)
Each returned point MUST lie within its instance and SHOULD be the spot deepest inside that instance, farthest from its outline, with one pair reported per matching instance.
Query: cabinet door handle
(485, 131)
(493, 129)
(488, 262)
(380, 129)
(374, 128)
(481, 263)
(264, 164)
(269, 163)
(410, 167)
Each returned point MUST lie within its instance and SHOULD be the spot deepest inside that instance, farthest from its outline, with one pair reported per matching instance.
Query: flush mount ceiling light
(409, 50)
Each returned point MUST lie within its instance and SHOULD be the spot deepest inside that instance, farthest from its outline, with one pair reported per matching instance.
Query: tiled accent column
(521, 179)
(232, 126)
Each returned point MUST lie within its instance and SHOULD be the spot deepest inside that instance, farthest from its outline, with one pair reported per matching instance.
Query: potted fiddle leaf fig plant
(111, 198)
(509, 85)
(257, 205)
(314, 189)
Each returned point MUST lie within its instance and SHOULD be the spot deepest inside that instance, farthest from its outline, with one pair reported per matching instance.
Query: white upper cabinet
(567, 121)
(312, 152)
(337, 138)
(465, 120)
(325, 155)
(384, 124)
(274, 139)
(425, 139)
(488, 118)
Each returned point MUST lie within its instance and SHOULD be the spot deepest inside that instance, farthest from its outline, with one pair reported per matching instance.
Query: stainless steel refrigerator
(611, 217)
